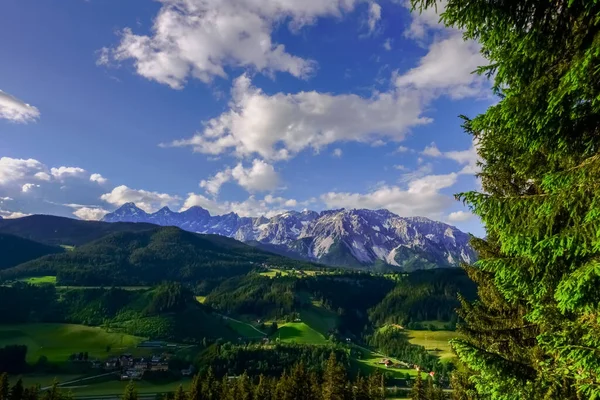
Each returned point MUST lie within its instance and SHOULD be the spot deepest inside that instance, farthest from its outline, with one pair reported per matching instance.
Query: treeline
(395, 342)
(424, 296)
(168, 311)
(13, 359)
(255, 295)
(268, 360)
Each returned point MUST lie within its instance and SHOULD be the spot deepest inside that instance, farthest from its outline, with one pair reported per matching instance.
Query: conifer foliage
(534, 333)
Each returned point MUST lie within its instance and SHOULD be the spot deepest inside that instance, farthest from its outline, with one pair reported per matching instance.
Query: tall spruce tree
(418, 389)
(4, 387)
(334, 380)
(263, 390)
(16, 392)
(180, 393)
(210, 386)
(130, 392)
(534, 333)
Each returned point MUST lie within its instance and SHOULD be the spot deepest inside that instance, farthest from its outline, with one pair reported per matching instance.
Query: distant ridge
(351, 238)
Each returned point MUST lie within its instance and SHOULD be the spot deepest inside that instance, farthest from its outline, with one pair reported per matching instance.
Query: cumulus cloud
(422, 197)
(16, 170)
(251, 207)
(16, 110)
(460, 216)
(90, 213)
(42, 176)
(199, 38)
(98, 179)
(469, 158)
(259, 177)
(374, 16)
(28, 187)
(337, 152)
(146, 200)
(447, 69)
(279, 126)
(62, 173)
(432, 151)
(12, 214)
(428, 20)
(387, 45)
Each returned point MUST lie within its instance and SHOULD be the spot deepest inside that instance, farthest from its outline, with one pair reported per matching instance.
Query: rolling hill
(16, 250)
(147, 257)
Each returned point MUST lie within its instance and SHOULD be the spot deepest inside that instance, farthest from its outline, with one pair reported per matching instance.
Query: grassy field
(42, 380)
(40, 280)
(59, 341)
(435, 341)
(244, 329)
(201, 299)
(368, 363)
(299, 332)
(318, 318)
(118, 387)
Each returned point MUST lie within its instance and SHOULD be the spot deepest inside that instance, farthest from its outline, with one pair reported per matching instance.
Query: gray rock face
(352, 238)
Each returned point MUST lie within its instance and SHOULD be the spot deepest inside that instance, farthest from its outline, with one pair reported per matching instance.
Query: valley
(211, 302)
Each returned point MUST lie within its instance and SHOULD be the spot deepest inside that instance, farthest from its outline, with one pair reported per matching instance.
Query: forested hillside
(16, 250)
(149, 257)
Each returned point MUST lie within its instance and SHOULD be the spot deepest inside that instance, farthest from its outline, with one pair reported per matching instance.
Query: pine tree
(16, 392)
(334, 380)
(418, 389)
(244, 387)
(360, 390)
(53, 393)
(376, 386)
(263, 390)
(180, 393)
(195, 392)
(535, 333)
(210, 386)
(130, 392)
(4, 387)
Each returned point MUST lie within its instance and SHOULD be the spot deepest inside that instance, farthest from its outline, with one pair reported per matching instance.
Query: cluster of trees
(298, 383)
(256, 295)
(13, 359)
(395, 342)
(424, 296)
(534, 331)
(168, 311)
(269, 360)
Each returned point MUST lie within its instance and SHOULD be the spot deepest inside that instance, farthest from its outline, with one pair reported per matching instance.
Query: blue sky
(251, 106)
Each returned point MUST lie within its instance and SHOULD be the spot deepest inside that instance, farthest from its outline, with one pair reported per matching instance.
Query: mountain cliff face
(351, 238)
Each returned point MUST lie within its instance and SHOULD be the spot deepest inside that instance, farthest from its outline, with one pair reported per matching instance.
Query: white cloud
(260, 177)
(200, 38)
(16, 110)
(17, 170)
(281, 125)
(62, 173)
(90, 213)
(400, 167)
(374, 16)
(402, 149)
(420, 172)
(387, 45)
(421, 198)
(6, 198)
(146, 200)
(42, 176)
(213, 185)
(425, 21)
(378, 143)
(432, 151)
(460, 216)
(251, 207)
(28, 187)
(469, 158)
(98, 179)
(447, 69)
(12, 214)
(337, 152)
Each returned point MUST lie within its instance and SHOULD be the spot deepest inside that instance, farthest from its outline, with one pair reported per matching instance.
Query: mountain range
(353, 238)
